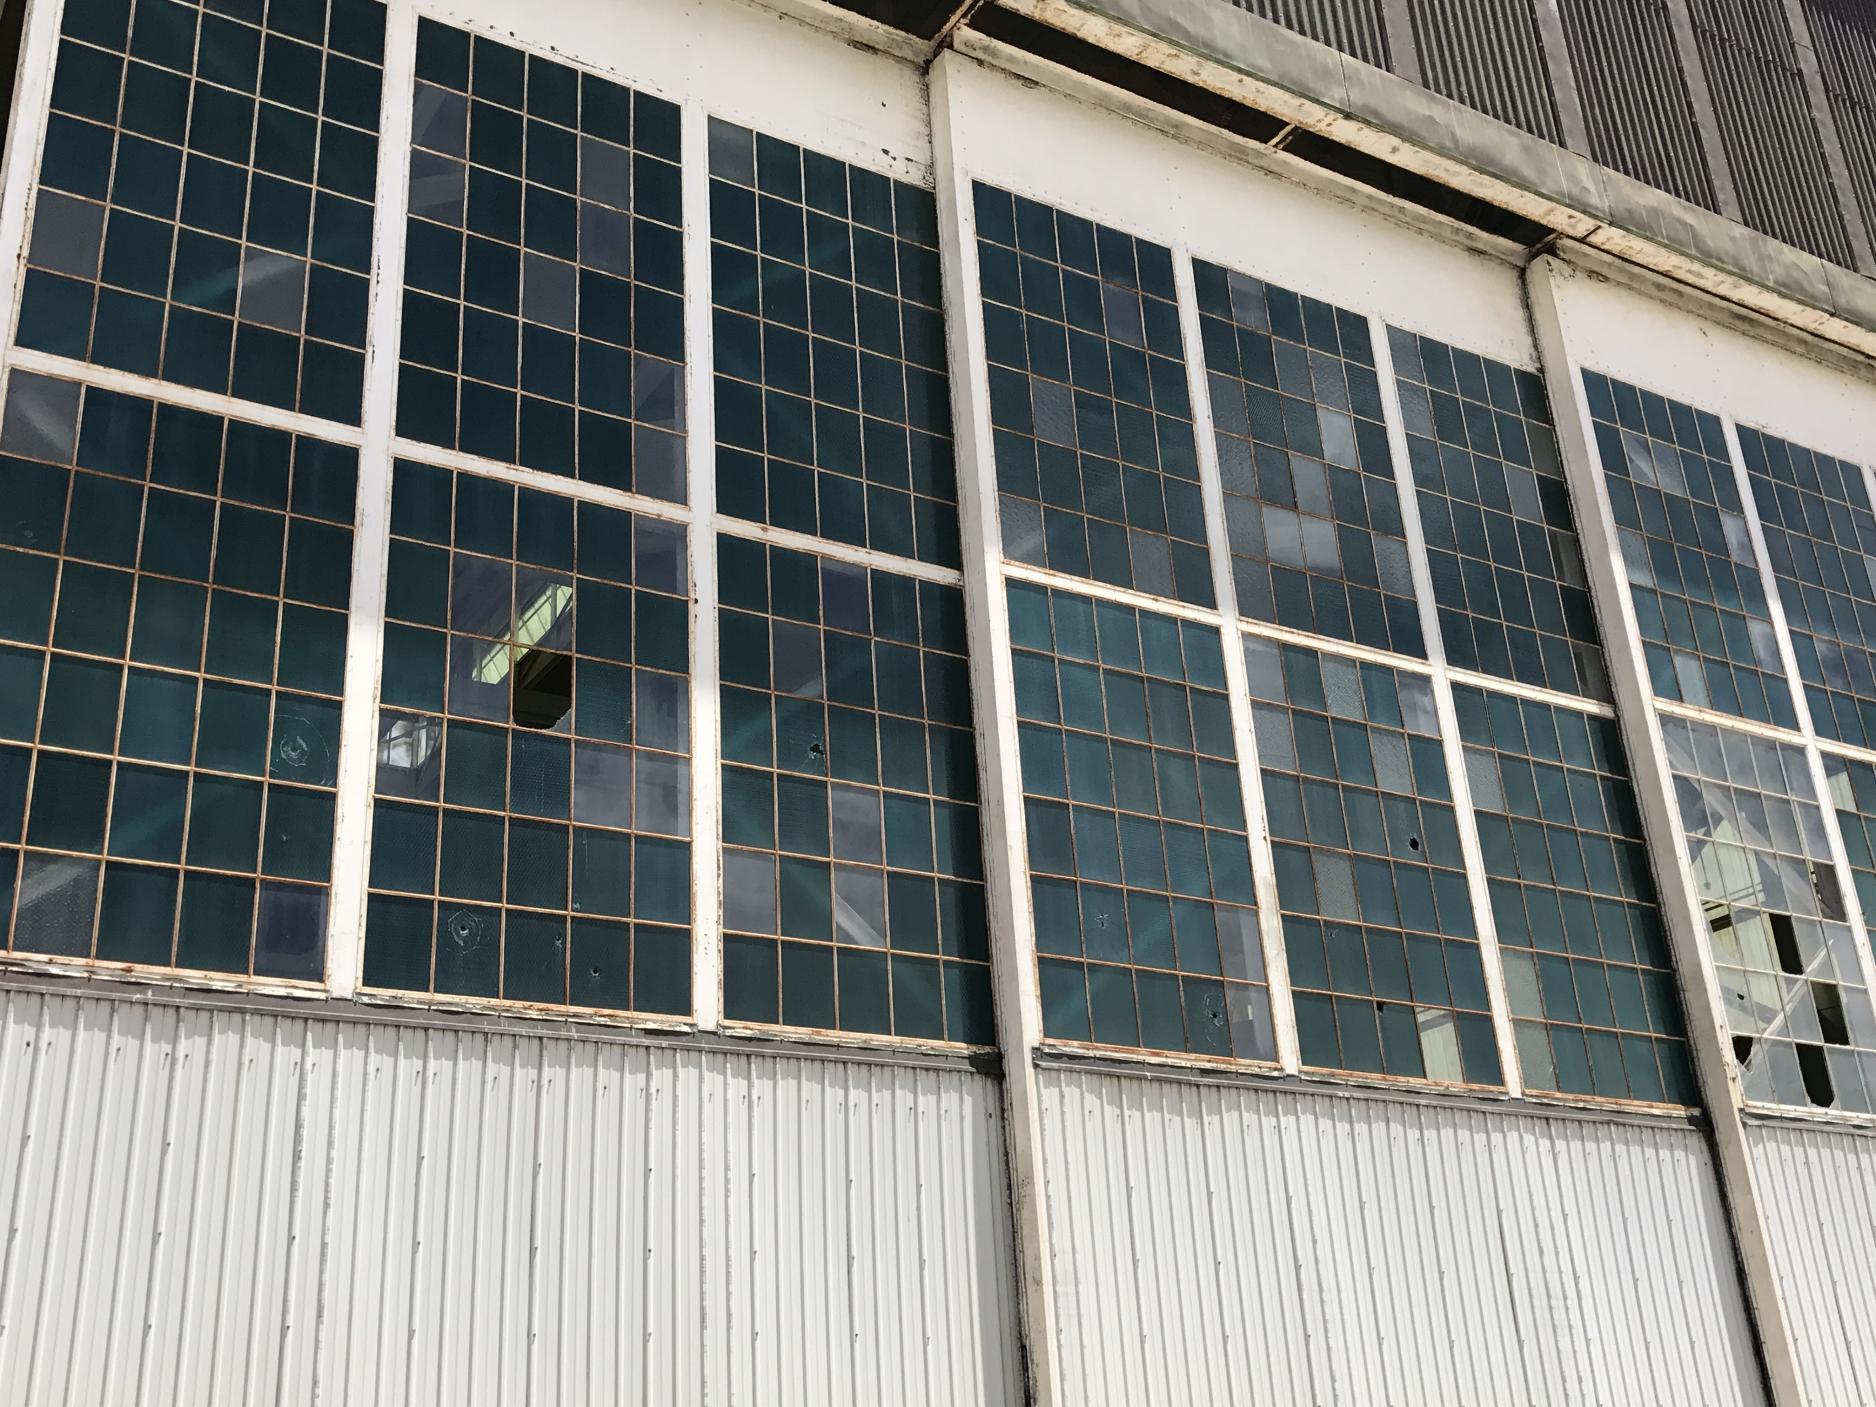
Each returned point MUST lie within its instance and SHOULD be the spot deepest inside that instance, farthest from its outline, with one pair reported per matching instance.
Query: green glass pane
(397, 943)
(147, 814)
(217, 922)
(137, 916)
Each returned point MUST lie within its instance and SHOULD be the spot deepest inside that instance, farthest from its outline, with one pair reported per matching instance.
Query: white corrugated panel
(210, 1206)
(1818, 1187)
(1223, 1244)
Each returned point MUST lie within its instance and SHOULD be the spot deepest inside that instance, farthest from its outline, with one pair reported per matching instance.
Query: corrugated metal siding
(206, 1206)
(1766, 125)
(1354, 27)
(1237, 1245)
(1641, 121)
(1488, 55)
(1844, 32)
(1818, 1187)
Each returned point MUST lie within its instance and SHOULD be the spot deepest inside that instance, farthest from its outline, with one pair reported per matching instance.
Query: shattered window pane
(531, 838)
(1803, 1030)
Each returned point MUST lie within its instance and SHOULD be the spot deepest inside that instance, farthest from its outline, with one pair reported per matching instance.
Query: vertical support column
(364, 636)
(1237, 681)
(1403, 49)
(706, 734)
(1654, 789)
(993, 700)
(1862, 238)
(1700, 96)
(1800, 701)
(1563, 85)
(1491, 964)
(32, 91)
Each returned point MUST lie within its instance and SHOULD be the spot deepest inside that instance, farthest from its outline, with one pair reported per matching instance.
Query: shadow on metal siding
(1635, 103)
(1354, 27)
(1487, 54)
(207, 1206)
(1844, 32)
(1766, 125)
(1819, 1191)
(1215, 1244)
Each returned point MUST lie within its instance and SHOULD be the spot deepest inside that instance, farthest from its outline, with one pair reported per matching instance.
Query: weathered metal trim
(1262, 65)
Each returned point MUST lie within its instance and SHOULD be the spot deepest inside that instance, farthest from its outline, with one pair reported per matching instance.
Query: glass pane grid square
(204, 204)
(1591, 988)
(1377, 916)
(1312, 507)
(171, 662)
(1508, 581)
(1693, 576)
(1820, 537)
(853, 885)
(1798, 1011)
(1091, 413)
(833, 406)
(531, 830)
(1145, 913)
(544, 275)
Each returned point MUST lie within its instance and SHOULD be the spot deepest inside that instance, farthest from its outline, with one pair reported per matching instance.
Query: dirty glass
(1091, 414)
(204, 209)
(171, 660)
(1139, 863)
(833, 409)
(853, 885)
(543, 315)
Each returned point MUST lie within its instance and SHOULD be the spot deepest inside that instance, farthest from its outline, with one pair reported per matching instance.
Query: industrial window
(1140, 871)
(176, 586)
(853, 896)
(1692, 573)
(1796, 1006)
(833, 410)
(1507, 570)
(1312, 506)
(205, 196)
(1377, 917)
(544, 274)
(531, 831)
(1820, 538)
(1852, 785)
(1573, 903)
(1097, 469)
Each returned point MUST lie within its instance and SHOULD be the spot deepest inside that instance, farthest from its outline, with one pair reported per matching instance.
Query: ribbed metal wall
(1844, 33)
(1222, 1244)
(1635, 103)
(1354, 27)
(1818, 1187)
(205, 1206)
(1766, 125)
(1487, 54)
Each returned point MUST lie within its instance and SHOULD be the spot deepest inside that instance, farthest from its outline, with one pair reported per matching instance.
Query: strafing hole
(1413, 842)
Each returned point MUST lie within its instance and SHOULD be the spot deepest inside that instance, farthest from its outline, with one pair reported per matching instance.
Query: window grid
(833, 407)
(530, 839)
(853, 896)
(1820, 539)
(1507, 570)
(1139, 859)
(1377, 914)
(1312, 505)
(204, 212)
(1693, 576)
(543, 319)
(1790, 976)
(177, 585)
(1090, 409)
(1587, 973)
